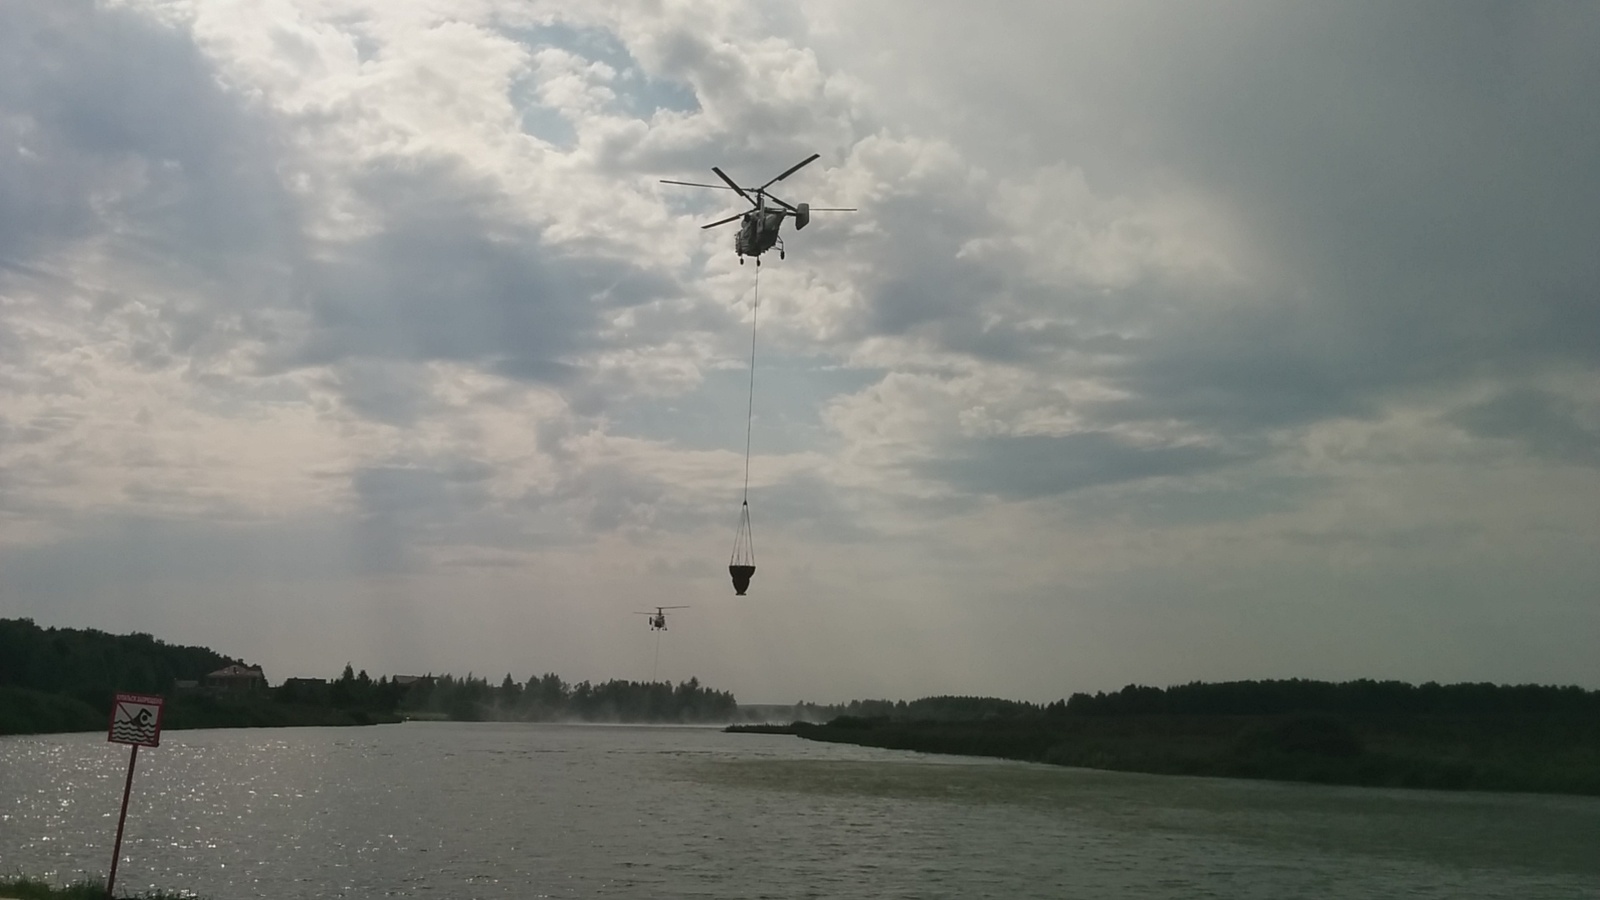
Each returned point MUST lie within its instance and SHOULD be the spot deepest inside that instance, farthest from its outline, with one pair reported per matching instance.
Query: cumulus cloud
(1259, 308)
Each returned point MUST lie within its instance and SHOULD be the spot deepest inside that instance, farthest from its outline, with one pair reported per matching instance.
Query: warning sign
(136, 719)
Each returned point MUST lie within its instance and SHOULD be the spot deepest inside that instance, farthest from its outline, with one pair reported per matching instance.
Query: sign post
(136, 721)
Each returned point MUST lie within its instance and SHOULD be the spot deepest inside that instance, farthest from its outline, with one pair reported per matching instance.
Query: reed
(21, 887)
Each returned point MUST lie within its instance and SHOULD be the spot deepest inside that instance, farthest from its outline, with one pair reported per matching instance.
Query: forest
(85, 664)
(1362, 697)
(63, 679)
(1377, 733)
(548, 698)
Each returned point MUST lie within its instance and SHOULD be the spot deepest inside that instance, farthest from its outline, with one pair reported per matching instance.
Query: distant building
(304, 690)
(185, 686)
(409, 680)
(236, 679)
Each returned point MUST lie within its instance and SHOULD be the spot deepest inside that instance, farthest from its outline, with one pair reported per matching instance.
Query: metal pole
(116, 854)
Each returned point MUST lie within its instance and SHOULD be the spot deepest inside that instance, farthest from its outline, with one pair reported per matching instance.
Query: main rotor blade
(724, 177)
(834, 209)
(791, 209)
(720, 187)
(723, 221)
(793, 169)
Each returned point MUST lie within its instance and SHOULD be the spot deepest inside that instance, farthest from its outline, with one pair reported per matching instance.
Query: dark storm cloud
(1243, 370)
(1547, 424)
(1426, 175)
(1414, 186)
(1026, 466)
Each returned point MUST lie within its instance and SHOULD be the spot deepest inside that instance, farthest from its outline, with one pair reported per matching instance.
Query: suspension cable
(750, 409)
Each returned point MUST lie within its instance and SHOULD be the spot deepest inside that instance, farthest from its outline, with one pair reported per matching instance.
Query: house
(304, 690)
(236, 679)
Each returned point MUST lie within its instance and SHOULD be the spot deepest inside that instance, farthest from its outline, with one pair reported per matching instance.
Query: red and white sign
(136, 720)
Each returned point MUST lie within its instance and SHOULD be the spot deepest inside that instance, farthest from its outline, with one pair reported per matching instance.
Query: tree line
(943, 708)
(63, 679)
(1363, 697)
(87, 664)
(547, 698)
(1292, 696)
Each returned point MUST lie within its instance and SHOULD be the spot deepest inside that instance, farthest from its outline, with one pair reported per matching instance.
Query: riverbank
(19, 888)
(1527, 753)
(24, 711)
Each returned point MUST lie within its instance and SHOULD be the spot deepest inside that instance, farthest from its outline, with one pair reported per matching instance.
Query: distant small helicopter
(658, 619)
(758, 231)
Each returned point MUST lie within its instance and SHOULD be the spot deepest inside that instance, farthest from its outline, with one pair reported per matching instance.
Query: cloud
(120, 129)
(1393, 212)
(1028, 466)
(1550, 425)
(438, 280)
(1139, 301)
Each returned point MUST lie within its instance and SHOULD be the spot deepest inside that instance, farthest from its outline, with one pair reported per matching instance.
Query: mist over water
(511, 810)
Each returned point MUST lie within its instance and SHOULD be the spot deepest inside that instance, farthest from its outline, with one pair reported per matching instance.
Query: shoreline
(1517, 754)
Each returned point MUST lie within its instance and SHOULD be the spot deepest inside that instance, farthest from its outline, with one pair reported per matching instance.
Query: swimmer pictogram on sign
(136, 720)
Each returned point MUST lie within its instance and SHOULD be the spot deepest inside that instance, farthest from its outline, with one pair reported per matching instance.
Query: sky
(1169, 342)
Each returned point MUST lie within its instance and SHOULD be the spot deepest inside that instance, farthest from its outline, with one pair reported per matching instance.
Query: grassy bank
(221, 711)
(21, 888)
(25, 711)
(1535, 753)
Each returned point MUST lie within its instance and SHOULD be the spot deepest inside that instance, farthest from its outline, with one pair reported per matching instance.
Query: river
(450, 810)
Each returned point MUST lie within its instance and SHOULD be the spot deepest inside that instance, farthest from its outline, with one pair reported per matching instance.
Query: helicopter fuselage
(759, 228)
(758, 232)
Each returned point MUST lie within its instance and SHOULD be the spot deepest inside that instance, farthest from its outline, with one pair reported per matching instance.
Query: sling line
(742, 565)
(750, 408)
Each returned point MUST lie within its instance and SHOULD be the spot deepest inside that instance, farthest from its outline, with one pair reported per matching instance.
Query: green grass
(1535, 753)
(23, 888)
(35, 712)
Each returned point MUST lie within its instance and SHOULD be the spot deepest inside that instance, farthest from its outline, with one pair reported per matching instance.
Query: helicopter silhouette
(758, 229)
(658, 619)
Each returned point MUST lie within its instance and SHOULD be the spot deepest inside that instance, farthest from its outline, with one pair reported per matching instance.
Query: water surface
(497, 810)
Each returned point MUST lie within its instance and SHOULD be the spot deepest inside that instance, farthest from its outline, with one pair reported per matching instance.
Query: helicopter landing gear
(780, 248)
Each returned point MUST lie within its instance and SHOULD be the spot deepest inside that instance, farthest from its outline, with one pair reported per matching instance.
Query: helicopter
(658, 619)
(758, 229)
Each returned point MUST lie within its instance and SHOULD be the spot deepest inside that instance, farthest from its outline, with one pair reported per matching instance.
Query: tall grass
(23, 888)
